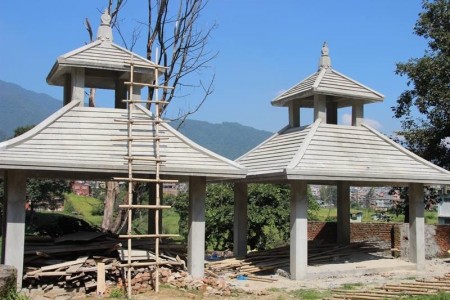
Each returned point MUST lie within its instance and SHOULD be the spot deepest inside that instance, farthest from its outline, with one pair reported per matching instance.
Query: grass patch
(85, 207)
(170, 221)
(309, 294)
(440, 296)
(351, 286)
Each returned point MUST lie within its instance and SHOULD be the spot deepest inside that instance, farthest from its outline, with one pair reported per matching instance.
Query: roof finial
(325, 60)
(104, 32)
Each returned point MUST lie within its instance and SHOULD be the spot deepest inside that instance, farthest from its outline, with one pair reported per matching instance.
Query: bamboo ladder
(131, 159)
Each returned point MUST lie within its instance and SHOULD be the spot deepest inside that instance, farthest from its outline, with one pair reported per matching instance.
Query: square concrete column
(416, 225)
(240, 219)
(196, 237)
(357, 114)
(343, 213)
(299, 230)
(77, 83)
(14, 238)
(320, 108)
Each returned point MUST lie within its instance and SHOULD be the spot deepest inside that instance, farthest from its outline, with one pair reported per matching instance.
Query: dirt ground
(358, 271)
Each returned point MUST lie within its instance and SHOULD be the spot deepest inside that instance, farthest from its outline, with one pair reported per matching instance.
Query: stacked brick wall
(394, 235)
(442, 238)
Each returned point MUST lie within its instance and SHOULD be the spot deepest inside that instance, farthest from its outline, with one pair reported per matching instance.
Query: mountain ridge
(229, 139)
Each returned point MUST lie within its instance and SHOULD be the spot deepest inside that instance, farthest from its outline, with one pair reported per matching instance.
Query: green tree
(268, 215)
(427, 135)
(429, 94)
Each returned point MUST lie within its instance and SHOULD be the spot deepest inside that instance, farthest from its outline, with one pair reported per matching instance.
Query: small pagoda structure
(325, 152)
(93, 143)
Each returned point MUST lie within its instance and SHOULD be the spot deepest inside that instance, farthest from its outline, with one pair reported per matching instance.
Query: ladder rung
(145, 180)
(145, 158)
(140, 138)
(144, 122)
(161, 235)
(144, 101)
(149, 85)
(150, 263)
(145, 206)
(143, 66)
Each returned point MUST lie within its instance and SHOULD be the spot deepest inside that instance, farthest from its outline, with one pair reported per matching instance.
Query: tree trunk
(112, 190)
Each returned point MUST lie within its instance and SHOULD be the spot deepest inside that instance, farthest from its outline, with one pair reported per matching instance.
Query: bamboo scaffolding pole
(130, 175)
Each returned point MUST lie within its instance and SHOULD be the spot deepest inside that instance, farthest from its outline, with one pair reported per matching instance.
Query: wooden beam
(299, 230)
(416, 226)
(357, 113)
(343, 213)
(320, 108)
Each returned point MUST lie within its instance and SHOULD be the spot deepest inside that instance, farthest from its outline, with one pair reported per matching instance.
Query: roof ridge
(357, 82)
(301, 151)
(280, 97)
(406, 151)
(41, 126)
(263, 142)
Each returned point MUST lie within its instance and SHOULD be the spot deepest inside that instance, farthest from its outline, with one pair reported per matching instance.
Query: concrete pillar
(240, 219)
(320, 108)
(332, 113)
(14, 240)
(136, 93)
(294, 114)
(196, 237)
(416, 226)
(299, 230)
(343, 213)
(77, 82)
(357, 114)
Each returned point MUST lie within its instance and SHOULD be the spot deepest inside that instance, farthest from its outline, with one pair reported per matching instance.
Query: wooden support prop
(101, 282)
(144, 158)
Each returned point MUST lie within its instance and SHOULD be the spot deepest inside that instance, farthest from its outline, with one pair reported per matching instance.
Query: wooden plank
(65, 264)
(101, 282)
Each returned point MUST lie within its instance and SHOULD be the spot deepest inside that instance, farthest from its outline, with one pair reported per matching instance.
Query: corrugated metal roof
(80, 139)
(328, 81)
(335, 152)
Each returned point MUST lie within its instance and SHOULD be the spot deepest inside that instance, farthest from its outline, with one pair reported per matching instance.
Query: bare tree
(173, 30)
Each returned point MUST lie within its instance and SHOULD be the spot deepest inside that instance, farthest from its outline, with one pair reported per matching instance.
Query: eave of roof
(330, 153)
(330, 82)
(80, 139)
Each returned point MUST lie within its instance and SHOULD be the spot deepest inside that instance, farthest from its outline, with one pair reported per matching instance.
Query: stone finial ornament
(325, 60)
(104, 32)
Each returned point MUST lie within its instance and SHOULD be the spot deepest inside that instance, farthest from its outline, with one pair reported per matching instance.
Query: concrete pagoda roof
(83, 140)
(327, 152)
(326, 81)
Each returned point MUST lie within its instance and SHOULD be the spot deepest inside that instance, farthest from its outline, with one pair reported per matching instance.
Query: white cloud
(347, 120)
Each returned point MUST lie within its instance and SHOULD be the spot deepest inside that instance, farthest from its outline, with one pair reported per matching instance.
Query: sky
(265, 47)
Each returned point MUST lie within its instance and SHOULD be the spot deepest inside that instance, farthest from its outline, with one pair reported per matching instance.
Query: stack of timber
(403, 290)
(91, 261)
(268, 261)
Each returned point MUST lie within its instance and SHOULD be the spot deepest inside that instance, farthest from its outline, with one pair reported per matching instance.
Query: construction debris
(419, 287)
(277, 259)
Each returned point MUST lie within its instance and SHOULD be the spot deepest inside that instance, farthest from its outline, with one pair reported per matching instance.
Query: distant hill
(20, 107)
(227, 139)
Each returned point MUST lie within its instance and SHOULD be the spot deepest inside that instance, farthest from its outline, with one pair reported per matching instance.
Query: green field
(330, 214)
